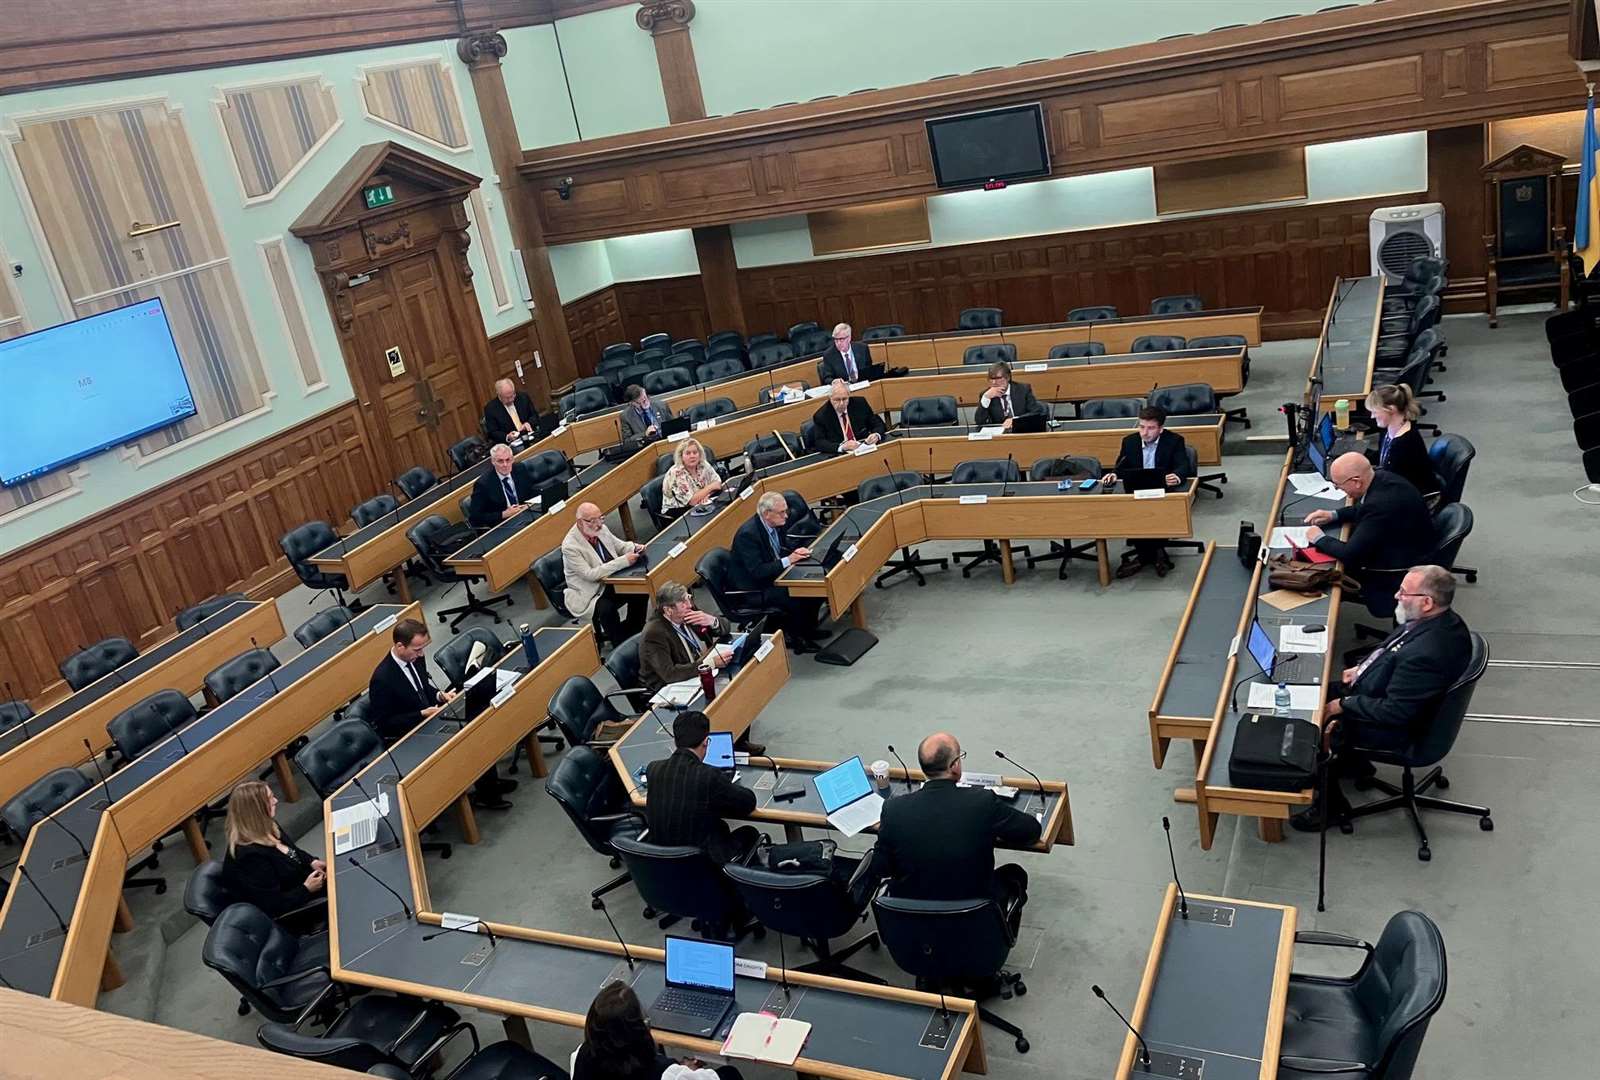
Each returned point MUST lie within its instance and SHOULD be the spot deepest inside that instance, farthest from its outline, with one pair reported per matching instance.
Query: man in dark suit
(401, 695)
(845, 359)
(938, 842)
(761, 551)
(686, 800)
(1385, 702)
(501, 492)
(845, 422)
(1392, 527)
(510, 412)
(1005, 400)
(641, 417)
(1151, 447)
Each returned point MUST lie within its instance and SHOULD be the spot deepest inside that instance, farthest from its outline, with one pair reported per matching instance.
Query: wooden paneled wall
(508, 346)
(128, 570)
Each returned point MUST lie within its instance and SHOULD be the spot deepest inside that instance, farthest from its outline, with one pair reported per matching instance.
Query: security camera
(564, 188)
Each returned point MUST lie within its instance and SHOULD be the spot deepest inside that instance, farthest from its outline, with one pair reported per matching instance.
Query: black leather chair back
(1406, 977)
(944, 941)
(623, 664)
(650, 497)
(632, 375)
(468, 452)
(579, 707)
(766, 337)
(1185, 399)
(333, 757)
(1425, 315)
(724, 337)
(422, 536)
(690, 347)
(994, 353)
(655, 340)
(655, 358)
(586, 786)
(929, 411)
(415, 480)
(678, 880)
(874, 487)
(97, 661)
(1076, 350)
(545, 466)
(45, 795)
(1219, 341)
(379, 506)
(209, 892)
(723, 368)
(146, 723)
(883, 331)
(1157, 343)
(1178, 304)
(1451, 456)
(1093, 313)
(985, 471)
(452, 656)
(809, 906)
(13, 713)
(1435, 735)
(710, 409)
(802, 327)
(1110, 408)
(551, 571)
(301, 543)
(1071, 467)
(322, 624)
(801, 519)
(190, 616)
(808, 435)
(620, 349)
(1452, 524)
(980, 318)
(589, 399)
(249, 950)
(727, 350)
(814, 340)
(667, 380)
(1423, 268)
(359, 707)
(597, 382)
(715, 568)
(249, 667)
(770, 354)
(769, 447)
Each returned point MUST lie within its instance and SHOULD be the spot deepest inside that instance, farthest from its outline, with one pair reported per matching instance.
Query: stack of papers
(1315, 485)
(1292, 638)
(764, 1037)
(679, 694)
(1283, 534)
(357, 826)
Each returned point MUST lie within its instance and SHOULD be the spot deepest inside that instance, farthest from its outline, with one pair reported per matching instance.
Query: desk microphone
(480, 924)
(1001, 755)
(626, 955)
(94, 760)
(1009, 466)
(930, 464)
(1183, 901)
(903, 769)
(399, 505)
(172, 729)
(11, 698)
(1055, 396)
(1144, 1050)
(270, 680)
(62, 923)
(374, 803)
(403, 905)
(76, 839)
(783, 967)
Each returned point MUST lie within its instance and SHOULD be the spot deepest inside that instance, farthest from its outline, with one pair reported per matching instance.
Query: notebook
(764, 1037)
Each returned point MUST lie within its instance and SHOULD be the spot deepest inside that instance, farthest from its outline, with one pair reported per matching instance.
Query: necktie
(1005, 403)
(772, 538)
(516, 421)
(1387, 646)
(411, 677)
(849, 362)
(649, 415)
(844, 425)
(1383, 453)
(600, 550)
(511, 491)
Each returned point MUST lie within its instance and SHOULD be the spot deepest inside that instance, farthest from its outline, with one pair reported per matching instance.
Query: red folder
(1310, 554)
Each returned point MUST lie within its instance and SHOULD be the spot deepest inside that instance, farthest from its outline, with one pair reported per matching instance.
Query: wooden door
(395, 405)
(435, 326)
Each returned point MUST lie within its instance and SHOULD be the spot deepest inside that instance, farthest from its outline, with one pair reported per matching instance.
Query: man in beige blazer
(590, 553)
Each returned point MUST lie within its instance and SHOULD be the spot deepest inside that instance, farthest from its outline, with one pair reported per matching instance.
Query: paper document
(1292, 637)
(864, 448)
(1283, 534)
(1303, 697)
(678, 693)
(819, 391)
(357, 826)
(764, 1037)
(1314, 484)
(861, 814)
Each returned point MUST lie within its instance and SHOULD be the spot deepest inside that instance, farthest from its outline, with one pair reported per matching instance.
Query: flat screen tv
(997, 144)
(84, 386)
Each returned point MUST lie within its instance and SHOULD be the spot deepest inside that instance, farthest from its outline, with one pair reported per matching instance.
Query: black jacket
(489, 497)
(833, 363)
(938, 842)
(497, 422)
(1394, 698)
(262, 875)
(686, 800)
(1393, 529)
(1172, 454)
(1023, 403)
(394, 706)
(828, 434)
(754, 564)
(1408, 457)
(587, 1068)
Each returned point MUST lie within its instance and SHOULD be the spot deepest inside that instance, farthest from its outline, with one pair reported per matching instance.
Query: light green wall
(1358, 168)
(583, 268)
(110, 478)
(758, 53)
(580, 269)
(539, 102)
(611, 64)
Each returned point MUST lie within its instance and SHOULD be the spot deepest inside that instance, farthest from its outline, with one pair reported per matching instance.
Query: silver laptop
(847, 797)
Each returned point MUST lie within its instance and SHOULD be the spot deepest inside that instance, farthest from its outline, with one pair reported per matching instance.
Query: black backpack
(1273, 753)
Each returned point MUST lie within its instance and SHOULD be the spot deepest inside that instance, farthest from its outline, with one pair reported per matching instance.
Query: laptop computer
(699, 991)
(848, 798)
(552, 491)
(1318, 456)
(480, 692)
(1143, 479)
(719, 752)
(1285, 668)
(674, 426)
(1325, 432)
(1029, 424)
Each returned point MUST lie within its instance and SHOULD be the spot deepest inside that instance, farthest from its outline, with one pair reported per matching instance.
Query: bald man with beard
(590, 553)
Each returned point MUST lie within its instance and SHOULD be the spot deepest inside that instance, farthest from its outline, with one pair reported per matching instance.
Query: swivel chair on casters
(910, 562)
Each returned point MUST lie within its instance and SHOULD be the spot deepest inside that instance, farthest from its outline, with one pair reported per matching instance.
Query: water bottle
(530, 648)
(1281, 699)
(1341, 414)
(708, 682)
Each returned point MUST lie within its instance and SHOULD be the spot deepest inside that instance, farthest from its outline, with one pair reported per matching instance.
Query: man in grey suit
(641, 417)
(1005, 400)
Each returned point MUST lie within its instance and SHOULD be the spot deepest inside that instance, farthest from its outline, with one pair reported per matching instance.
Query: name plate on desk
(862, 385)
(1035, 367)
(677, 549)
(747, 492)
(974, 500)
(677, 436)
(764, 650)
(1151, 493)
(849, 553)
(555, 508)
(978, 436)
(864, 448)
(503, 696)
(559, 429)
(750, 969)
(702, 425)
(384, 624)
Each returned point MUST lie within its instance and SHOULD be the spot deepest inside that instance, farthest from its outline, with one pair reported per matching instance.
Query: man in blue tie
(761, 551)
(499, 493)
(641, 417)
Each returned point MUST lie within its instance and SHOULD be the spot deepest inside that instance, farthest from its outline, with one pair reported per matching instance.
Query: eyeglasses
(1416, 595)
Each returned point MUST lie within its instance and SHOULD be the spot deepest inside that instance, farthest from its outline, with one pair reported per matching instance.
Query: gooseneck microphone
(482, 930)
(270, 680)
(1144, 1050)
(381, 817)
(105, 787)
(1009, 466)
(600, 905)
(23, 723)
(783, 967)
(1183, 901)
(1013, 761)
(386, 886)
(903, 768)
(60, 922)
(76, 839)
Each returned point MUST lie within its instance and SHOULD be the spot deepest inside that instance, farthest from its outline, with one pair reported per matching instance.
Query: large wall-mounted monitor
(995, 145)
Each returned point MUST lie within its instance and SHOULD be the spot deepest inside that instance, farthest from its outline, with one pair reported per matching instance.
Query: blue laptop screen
(1261, 646)
(705, 964)
(843, 784)
(1325, 432)
(1319, 460)
(719, 749)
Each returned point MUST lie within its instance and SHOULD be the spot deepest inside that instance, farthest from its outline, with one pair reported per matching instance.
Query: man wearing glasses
(1392, 528)
(590, 553)
(938, 842)
(843, 359)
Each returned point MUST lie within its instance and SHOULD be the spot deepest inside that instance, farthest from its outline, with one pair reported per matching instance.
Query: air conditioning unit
(1399, 234)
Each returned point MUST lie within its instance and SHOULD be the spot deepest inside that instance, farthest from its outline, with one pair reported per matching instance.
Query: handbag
(803, 857)
(1303, 577)
(1273, 753)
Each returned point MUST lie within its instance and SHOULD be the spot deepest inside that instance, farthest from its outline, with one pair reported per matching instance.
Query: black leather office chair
(1420, 277)
(551, 570)
(686, 883)
(586, 787)
(1451, 456)
(655, 358)
(808, 435)
(810, 341)
(422, 536)
(655, 340)
(744, 607)
(579, 708)
(468, 452)
(937, 411)
(584, 401)
(765, 337)
(1434, 736)
(1396, 338)
(802, 327)
(728, 350)
(375, 1030)
(618, 351)
(710, 409)
(666, 380)
(623, 664)
(814, 908)
(995, 353)
(724, 337)
(150, 721)
(765, 450)
(598, 382)
(1370, 1025)
(1092, 313)
(691, 347)
(957, 945)
(96, 662)
(209, 892)
(249, 667)
(192, 616)
(322, 624)
(1177, 304)
(1076, 350)
(650, 497)
(300, 544)
(883, 331)
(1229, 341)
(722, 368)
(985, 471)
(1157, 343)
(50, 793)
(1452, 525)
(1065, 468)
(803, 520)
(910, 561)
(278, 973)
(1110, 408)
(453, 655)
(416, 480)
(13, 713)
(376, 509)
(980, 318)
(1191, 399)
(331, 758)
(770, 354)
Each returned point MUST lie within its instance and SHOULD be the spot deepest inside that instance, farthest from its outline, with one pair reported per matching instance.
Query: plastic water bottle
(529, 648)
(1341, 414)
(1281, 699)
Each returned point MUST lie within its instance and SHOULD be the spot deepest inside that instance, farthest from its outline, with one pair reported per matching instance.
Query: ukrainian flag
(1586, 233)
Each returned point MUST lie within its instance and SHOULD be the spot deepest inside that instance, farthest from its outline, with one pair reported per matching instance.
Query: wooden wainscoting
(127, 570)
(593, 322)
(508, 346)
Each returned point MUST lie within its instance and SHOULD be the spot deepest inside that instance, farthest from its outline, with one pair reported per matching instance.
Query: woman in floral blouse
(691, 480)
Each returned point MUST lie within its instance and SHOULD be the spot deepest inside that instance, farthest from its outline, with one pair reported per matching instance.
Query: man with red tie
(845, 422)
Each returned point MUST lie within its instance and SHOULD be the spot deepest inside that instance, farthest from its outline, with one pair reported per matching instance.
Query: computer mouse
(1313, 628)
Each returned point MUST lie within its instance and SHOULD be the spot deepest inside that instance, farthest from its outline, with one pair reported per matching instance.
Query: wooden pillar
(1456, 157)
(719, 277)
(481, 51)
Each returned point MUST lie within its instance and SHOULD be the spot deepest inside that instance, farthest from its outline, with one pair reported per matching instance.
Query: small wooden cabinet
(1522, 205)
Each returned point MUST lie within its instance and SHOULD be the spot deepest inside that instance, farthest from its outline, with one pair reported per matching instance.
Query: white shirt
(411, 673)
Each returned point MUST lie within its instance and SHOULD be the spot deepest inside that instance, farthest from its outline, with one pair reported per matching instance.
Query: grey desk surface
(1125, 320)
(377, 939)
(55, 862)
(1202, 660)
(1347, 351)
(490, 539)
(14, 737)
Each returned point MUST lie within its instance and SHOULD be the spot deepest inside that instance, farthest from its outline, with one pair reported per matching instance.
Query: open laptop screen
(843, 784)
(719, 749)
(1261, 647)
(707, 965)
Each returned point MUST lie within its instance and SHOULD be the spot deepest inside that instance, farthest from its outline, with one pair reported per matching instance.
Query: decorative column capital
(664, 16)
(481, 47)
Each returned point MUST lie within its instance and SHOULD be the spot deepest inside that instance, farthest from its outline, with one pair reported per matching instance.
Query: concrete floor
(1059, 674)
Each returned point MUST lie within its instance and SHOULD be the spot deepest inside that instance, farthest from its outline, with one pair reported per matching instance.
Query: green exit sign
(378, 195)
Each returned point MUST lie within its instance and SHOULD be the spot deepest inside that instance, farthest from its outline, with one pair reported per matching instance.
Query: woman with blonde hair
(691, 480)
(1402, 450)
(265, 868)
